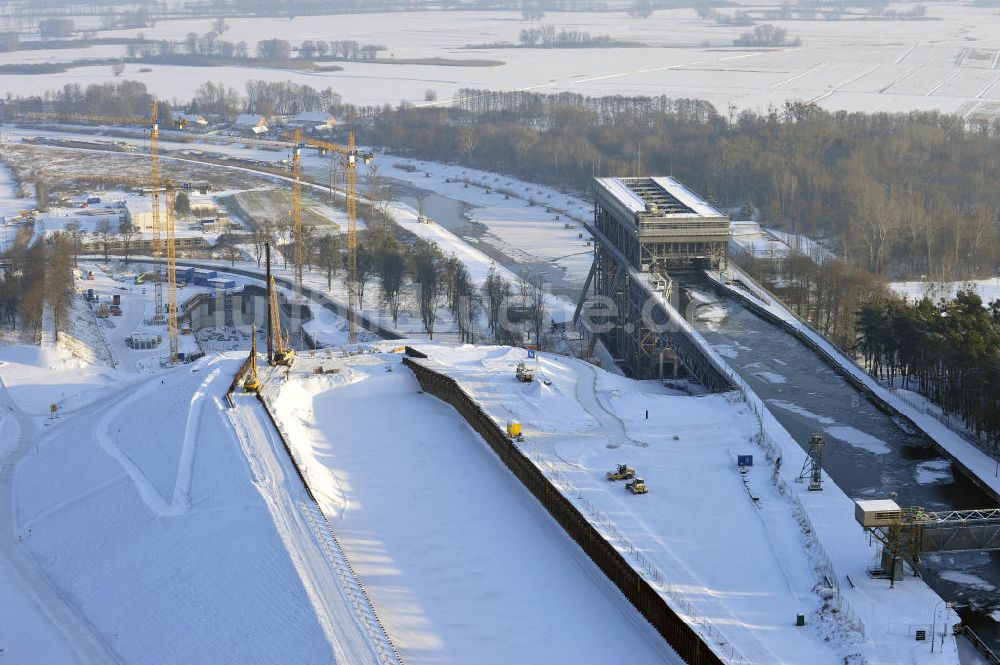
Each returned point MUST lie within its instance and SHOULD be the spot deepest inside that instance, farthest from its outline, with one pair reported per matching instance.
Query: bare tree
(393, 272)
(126, 231)
(496, 291)
(329, 257)
(427, 275)
(72, 227)
(104, 231)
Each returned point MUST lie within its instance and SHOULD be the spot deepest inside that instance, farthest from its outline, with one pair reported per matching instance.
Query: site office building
(658, 227)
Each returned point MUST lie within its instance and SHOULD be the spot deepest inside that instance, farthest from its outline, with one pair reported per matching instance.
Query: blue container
(744, 460)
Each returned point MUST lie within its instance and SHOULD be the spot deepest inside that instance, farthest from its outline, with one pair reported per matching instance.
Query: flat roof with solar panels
(660, 205)
(675, 227)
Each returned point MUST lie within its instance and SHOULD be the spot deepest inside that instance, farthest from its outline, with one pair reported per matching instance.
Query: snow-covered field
(146, 522)
(460, 561)
(946, 64)
(988, 289)
(385, 476)
(514, 214)
(138, 508)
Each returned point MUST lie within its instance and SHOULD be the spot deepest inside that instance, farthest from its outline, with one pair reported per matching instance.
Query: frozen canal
(867, 453)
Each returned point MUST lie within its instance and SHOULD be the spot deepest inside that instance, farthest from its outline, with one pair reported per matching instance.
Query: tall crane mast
(297, 204)
(351, 155)
(171, 274)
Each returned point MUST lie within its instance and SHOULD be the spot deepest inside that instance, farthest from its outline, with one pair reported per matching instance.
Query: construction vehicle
(283, 354)
(636, 486)
(623, 472)
(524, 373)
(252, 383)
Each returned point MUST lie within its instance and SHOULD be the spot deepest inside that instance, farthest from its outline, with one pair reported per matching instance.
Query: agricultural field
(947, 61)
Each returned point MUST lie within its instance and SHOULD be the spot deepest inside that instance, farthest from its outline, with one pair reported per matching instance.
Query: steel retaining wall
(318, 296)
(685, 641)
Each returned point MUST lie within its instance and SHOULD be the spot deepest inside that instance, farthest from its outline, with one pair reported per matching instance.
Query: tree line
(896, 194)
(948, 350)
(37, 276)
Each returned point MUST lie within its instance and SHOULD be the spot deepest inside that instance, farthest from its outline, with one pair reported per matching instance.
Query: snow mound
(934, 472)
(967, 579)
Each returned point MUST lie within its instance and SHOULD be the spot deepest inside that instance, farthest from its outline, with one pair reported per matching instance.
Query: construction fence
(686, 641)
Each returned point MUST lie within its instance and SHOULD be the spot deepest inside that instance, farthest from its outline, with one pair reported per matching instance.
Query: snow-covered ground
(947, 63)
(503, 206)
(146, 529)
(699, 512)
(988, 289)
(460, 561)
(145, 522)
(10, 205)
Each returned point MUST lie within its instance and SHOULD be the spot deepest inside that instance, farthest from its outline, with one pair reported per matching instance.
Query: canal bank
(869, 452)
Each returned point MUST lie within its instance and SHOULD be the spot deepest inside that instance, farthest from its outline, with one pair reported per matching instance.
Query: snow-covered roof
(662, 196)
(314, 116)
(626, 196)
(249, 119)
(877, 505)
(697, 204)
(189, 117)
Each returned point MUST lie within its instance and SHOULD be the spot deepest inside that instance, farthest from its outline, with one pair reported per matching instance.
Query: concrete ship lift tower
(645, 229)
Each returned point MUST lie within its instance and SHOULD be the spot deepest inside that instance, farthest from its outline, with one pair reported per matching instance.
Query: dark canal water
(867, 453)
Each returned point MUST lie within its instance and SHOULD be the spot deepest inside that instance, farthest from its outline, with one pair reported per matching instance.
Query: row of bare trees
(36, 278)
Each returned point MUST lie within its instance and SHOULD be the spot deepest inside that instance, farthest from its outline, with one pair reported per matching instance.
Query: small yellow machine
(252, 383)
(623, 472)
(637, 486)
(524, 373)
(284, 354)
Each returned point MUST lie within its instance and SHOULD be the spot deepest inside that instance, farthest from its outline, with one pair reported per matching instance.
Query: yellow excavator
(284, 354)
(623, 472)
(252, 383)
(637, 486)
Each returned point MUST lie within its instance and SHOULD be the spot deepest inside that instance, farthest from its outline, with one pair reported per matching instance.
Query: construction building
(645, 229)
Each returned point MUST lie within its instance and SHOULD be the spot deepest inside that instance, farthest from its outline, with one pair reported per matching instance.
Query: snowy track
(339, 604)
(80, 641)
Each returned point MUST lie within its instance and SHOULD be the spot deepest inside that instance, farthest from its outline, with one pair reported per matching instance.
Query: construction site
(235, 372)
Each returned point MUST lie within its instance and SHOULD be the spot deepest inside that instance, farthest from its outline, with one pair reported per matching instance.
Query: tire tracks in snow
(89, 645)
(339, 605)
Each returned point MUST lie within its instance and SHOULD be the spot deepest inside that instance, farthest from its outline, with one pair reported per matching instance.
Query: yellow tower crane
(152, 122)
(351, 156)
(297, 204)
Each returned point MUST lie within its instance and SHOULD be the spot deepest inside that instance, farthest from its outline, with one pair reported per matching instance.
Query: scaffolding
(644, 229)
